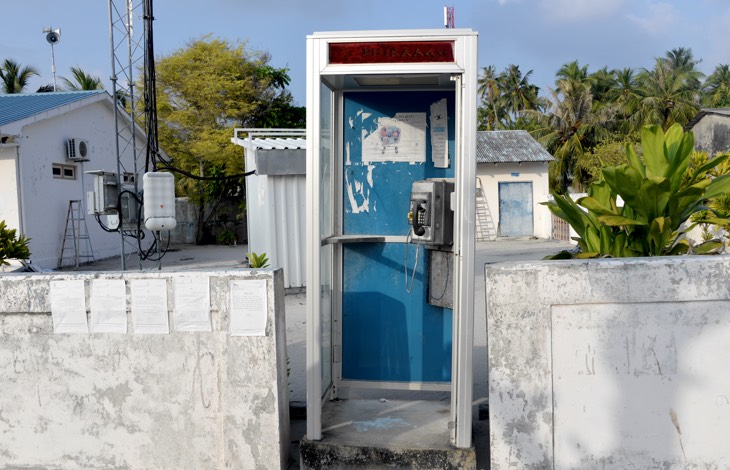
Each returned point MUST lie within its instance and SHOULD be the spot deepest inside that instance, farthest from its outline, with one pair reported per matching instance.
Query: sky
(537, 35)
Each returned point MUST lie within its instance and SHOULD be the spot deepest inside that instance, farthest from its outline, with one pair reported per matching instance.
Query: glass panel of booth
(326, 215)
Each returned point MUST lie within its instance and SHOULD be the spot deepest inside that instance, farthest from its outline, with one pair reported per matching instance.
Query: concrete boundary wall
(609, 363)
(183, 400)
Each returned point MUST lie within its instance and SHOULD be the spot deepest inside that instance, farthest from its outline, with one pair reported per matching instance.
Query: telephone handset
(420, 215)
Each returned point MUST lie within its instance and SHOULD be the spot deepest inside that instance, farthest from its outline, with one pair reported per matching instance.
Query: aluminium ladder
(74, 234)
(485, 225)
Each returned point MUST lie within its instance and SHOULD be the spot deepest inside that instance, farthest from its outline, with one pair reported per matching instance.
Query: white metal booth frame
(378, 61)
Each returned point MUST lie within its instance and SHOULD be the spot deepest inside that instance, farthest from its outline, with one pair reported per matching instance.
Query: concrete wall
(528, 172)
(609, 363)
(45, 199)
(183, 400)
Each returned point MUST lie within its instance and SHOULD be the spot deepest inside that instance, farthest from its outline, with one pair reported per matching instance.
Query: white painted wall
(609, 363)
(9, 203)
(183, 400)
(45, 199)
(529, 172)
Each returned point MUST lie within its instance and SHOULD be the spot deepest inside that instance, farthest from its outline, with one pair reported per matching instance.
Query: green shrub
(659, 193)
(258, 261)
(12, 246)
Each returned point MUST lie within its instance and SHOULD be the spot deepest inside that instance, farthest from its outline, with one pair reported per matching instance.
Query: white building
(512, 168)
(37, 177)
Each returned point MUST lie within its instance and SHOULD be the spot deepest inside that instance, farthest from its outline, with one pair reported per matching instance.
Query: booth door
(390, 333)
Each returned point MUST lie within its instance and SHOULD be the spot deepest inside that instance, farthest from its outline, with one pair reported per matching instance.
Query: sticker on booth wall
(401, 138)
(439, 127)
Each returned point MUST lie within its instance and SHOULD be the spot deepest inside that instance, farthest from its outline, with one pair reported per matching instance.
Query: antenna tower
(127, 54)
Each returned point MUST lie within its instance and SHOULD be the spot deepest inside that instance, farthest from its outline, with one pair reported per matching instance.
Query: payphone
(391, 139)
(431, 214)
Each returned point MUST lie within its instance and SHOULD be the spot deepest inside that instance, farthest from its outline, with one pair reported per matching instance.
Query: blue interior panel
(389, 334)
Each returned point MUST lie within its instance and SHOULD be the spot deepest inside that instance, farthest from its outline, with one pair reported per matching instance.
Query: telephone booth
(391, 145)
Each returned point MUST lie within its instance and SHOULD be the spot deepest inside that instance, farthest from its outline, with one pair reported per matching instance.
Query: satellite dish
(53, 36)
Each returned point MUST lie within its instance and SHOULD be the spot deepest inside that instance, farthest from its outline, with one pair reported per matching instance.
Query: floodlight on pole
(53, 36)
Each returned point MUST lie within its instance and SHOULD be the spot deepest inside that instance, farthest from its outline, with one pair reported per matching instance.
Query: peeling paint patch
(370, 174)
(347, 154)
(359, 191)
(351, 122)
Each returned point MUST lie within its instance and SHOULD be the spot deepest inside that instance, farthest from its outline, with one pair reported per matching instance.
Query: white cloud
(660, 18)
(580, 10)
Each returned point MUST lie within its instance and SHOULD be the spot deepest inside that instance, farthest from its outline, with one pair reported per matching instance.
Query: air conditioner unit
(77, 150)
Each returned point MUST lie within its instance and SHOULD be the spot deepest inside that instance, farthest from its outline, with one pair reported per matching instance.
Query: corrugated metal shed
(17, 106)
(509, 147)
(275, 197)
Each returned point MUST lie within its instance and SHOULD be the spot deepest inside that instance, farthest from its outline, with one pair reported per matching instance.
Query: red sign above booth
(399, 52)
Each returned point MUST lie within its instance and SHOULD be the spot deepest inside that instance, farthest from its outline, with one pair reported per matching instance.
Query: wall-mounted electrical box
(105, 196)
(159, 201)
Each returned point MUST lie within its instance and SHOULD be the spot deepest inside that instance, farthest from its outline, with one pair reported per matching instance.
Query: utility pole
(53, 36)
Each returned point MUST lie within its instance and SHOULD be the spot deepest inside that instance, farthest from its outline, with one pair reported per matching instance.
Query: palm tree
(717, 87)
(683, 60)
(488, 89)
(572, 127)
(667, 95)
(14, 77)
(625, 95)
(82, 81)
(517, 91)
(572, 71)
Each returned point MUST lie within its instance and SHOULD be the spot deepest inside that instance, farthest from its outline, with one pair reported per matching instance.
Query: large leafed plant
(660, 193)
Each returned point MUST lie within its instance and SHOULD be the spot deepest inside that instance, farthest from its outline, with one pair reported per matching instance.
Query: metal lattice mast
(127, 53)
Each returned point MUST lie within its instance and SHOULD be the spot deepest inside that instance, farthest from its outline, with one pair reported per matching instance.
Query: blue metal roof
(17, 106)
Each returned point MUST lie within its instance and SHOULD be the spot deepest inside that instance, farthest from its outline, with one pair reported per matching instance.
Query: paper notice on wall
(439, 127)
(149, 306)
(249, 307)
(108, 302)
(401, 138)
(191, 304)
(68, 306)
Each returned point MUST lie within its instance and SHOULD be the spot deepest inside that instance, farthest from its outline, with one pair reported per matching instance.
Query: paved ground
(188, 257)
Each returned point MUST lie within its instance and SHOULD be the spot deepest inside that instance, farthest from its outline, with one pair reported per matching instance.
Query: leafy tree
(15, 77)
(717, 87)
(204, 91)
(47, 88)
(82, 81)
